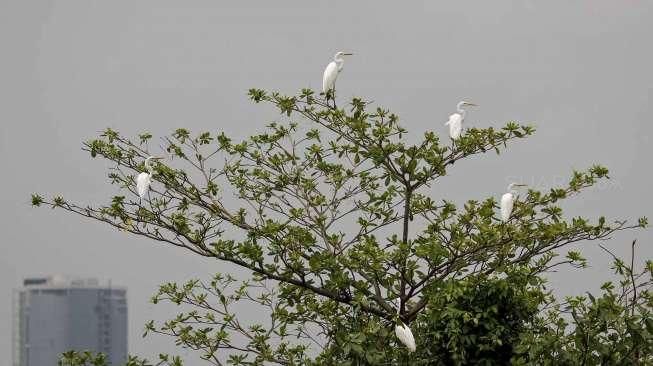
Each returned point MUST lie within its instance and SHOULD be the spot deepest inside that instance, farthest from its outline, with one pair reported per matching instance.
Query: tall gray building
(54, 314)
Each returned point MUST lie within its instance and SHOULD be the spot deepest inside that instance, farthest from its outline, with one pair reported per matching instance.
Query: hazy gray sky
(579, 70)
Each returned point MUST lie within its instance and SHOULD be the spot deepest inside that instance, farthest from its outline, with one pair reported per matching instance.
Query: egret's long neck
(512, 190)
(459, 108)
(339, 62)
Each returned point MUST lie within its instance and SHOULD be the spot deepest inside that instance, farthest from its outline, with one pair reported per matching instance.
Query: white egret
(332, 70)
(405, 336)
(508, 200)
(456, 120)
(144, 180)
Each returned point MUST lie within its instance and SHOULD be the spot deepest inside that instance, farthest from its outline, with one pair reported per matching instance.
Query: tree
(335, 218)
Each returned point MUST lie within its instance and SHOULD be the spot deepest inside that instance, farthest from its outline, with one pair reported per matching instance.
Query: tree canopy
(333, 214)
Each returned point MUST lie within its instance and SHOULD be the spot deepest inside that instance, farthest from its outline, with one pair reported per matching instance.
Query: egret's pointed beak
(348, 54)
(471, 104)
(519, 185)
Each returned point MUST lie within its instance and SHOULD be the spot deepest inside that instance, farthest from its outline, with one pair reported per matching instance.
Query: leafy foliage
(86, 358)
(613, 329)
(335, 219)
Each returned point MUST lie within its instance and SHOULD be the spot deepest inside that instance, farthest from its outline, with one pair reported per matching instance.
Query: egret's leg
(328, 97)
(453, 146)
(149, 199)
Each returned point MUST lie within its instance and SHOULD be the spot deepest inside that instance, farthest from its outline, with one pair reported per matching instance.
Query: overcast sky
(581, 71)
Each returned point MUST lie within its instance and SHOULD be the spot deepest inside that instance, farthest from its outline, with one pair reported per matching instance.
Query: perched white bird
(332, 70)
(456, 120)
(508, 200)
(143, 180)
(405, 336)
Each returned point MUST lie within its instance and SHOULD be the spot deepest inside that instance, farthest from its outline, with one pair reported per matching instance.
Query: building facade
(54, 314)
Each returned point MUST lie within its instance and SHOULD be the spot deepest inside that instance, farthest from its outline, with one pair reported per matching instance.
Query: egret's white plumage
(508, 201)
(405, 336)
(332, 70)
(330, 76)
(456, 120)
(144, 180)
(455, 125)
